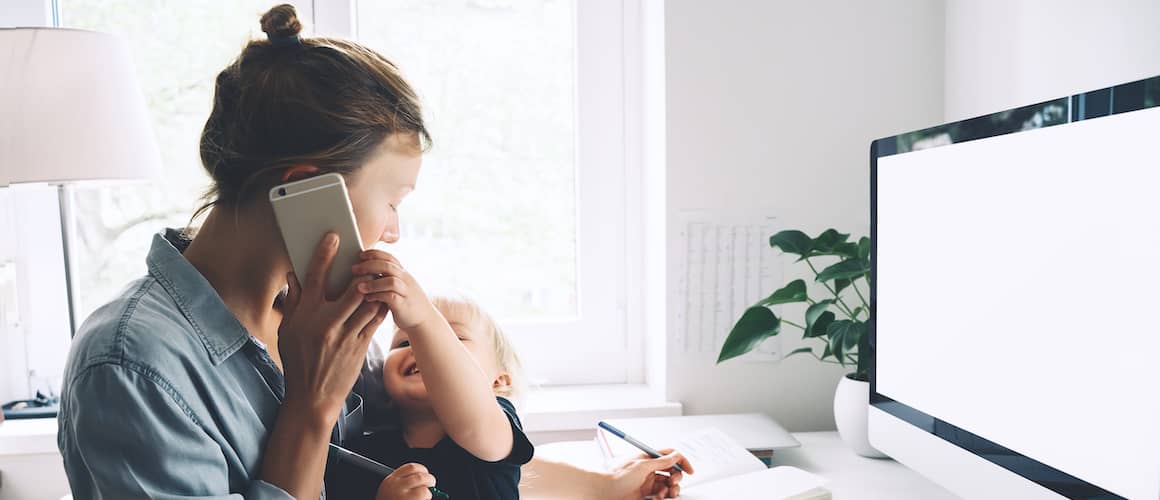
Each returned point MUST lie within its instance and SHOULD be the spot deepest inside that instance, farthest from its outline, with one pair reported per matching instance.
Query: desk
(33, 469)
(855, 477)
(851, 477)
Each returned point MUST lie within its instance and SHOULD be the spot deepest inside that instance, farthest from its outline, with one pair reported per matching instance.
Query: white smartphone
(308, 209)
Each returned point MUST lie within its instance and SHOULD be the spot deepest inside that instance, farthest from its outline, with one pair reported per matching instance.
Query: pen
(350, 457)
(639, 445)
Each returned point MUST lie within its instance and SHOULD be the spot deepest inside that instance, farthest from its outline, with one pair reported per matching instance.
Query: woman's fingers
(351, 298)
(666, 461)
(667, 491)
(362, 315)
(320, 263)
(670, 455)
(369, 330)
(669, 482)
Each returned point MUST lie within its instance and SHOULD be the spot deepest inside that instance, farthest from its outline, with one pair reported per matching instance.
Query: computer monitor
(1015, 279)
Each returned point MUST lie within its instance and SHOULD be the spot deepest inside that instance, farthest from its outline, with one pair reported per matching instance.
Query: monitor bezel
(1108, 101)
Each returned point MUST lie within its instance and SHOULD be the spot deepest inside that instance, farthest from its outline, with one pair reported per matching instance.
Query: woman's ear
(502, 386)
(299, 172)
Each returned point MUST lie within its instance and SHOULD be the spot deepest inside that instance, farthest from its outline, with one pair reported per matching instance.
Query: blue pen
(350, 457)
(639, 445)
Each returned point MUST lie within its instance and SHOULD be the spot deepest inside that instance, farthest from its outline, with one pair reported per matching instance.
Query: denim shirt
(166, 395)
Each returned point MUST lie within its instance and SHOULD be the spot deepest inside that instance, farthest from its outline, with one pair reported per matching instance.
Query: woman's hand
(639, 478)
(409, 482)
(322, 342)
(392, 285)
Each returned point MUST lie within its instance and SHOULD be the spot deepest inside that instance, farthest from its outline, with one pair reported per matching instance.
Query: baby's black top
(457, 472)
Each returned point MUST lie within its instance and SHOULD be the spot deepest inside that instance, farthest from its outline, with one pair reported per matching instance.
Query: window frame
(598, 346)
(604, 344)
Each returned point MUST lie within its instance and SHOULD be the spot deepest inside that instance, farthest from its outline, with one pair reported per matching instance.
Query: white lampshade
(71, 109)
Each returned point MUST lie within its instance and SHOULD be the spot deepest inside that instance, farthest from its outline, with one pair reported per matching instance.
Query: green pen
(350, 457)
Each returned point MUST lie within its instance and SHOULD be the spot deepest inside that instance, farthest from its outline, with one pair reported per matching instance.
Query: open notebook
(725, 470)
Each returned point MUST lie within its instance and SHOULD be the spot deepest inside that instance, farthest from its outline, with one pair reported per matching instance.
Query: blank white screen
(1017, 277)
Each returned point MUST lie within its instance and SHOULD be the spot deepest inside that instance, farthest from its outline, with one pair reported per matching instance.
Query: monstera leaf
(756, 324)
(792, 242)
(845, 270)
(795, 291)
(818, 318)
(837, 332)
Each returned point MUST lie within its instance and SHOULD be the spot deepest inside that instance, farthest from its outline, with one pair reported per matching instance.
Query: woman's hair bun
(281, 21)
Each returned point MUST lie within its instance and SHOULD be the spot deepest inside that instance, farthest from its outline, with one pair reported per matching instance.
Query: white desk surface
(851, 477)
(856, 477)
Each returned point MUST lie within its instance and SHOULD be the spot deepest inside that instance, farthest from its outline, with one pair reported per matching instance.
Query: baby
(467, 435)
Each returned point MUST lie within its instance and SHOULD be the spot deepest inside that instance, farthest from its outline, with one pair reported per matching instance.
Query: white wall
(1006, 53)
(771, 107)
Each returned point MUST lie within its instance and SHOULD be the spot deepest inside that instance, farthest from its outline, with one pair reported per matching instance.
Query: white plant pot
(851, 404)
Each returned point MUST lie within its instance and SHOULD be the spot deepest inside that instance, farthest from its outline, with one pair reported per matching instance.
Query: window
(522, 203)
(179, 48)
(495, 212)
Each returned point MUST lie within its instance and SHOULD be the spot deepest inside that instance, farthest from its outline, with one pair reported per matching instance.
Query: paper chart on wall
(725, 265)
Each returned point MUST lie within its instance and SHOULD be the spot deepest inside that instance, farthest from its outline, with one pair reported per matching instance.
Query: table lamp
(71, 110)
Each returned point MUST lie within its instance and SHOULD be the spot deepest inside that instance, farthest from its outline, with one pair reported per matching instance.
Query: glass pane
(495, 211)
(179, 47)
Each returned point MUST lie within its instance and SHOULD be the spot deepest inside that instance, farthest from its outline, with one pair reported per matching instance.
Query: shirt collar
(217, 327)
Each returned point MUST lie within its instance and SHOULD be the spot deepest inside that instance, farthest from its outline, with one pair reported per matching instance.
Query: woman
(204, 379)
(199, 380)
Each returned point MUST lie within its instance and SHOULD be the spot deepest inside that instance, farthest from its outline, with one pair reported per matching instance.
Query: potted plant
(837, 323)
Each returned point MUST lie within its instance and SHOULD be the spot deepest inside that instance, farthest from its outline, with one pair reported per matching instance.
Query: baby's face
(404, 378)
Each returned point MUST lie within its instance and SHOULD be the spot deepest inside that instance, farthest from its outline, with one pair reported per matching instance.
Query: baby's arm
(458, 389)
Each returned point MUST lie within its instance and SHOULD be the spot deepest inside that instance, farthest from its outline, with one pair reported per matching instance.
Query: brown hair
(290, 101)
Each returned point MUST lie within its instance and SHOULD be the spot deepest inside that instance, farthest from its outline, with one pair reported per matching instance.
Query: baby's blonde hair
(462, 309)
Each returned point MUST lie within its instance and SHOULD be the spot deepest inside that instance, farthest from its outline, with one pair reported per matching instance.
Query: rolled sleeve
(143, 443)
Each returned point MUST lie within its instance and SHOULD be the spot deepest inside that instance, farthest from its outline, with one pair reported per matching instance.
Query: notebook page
(715, 455)
(783, 482)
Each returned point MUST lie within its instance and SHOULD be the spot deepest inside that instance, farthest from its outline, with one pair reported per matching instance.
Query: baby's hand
(409, 482)
(395, 287)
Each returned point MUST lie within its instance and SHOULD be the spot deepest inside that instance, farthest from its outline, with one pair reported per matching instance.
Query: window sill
(28, 437)
(578, 408)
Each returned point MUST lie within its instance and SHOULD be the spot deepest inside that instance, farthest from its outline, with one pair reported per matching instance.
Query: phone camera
(281, 191)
